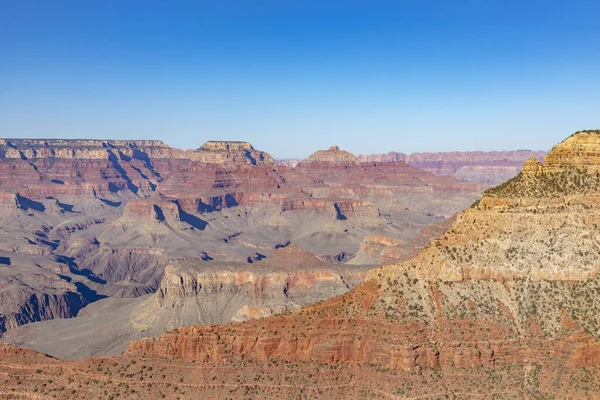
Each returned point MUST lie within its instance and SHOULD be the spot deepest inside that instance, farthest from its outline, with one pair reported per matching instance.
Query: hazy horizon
(101, 138)
(295, 77)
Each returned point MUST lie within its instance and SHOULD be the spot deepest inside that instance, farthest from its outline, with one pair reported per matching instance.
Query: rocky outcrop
(331, 155)
(581, 150)
(224, 146)
(9, 200)
(151, 210)
(115, 213)
(511, 287)
(193, 293)
(355, 210)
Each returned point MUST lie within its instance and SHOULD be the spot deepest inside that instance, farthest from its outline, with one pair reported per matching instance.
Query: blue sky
(296, 76)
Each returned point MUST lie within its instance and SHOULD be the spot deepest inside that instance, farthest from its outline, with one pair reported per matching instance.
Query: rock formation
(391, 156)
(104, 218)
(190, 294)
(471, 166)
(505, 304)
(331, 155)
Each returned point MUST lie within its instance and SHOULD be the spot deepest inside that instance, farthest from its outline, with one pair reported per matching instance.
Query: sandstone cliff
(507, 295)
(503, 305)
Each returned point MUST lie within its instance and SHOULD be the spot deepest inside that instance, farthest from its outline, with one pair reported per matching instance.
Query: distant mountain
(471, 166)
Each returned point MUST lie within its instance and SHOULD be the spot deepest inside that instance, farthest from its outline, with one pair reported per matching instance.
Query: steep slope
(508, 296)
(382, 250)
(504, 305)
(114, 213)
(192, 294)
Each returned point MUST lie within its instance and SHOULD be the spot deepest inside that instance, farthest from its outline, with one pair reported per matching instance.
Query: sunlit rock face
(511, 287)
(107, 217)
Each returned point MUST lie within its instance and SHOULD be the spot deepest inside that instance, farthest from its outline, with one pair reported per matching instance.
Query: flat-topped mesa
(212, 152)
(332, 155)
(214, 145)
(9, 200)
(83, 149)
(148, 210)
(37, 143)
(228, 152)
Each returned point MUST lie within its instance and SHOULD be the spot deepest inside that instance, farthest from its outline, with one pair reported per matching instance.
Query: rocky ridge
(191, 294)
(110, 215)
(503, 305)
(507, 295)
(492, 167)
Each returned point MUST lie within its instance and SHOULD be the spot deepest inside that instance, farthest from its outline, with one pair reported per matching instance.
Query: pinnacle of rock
(533, 166)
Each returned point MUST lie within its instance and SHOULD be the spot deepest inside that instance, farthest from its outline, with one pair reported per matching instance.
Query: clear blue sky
(295, 76)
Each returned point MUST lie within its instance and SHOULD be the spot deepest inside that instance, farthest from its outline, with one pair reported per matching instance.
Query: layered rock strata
(114, 213)
(471, 166)
(509, 293)
(192, 294)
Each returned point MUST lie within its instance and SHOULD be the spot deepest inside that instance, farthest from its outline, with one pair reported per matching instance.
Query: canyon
(491, 167)
(97, 229)
(504, 304)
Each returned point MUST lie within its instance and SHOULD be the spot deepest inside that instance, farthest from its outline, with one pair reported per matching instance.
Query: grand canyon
(298, 200)
(140, 230)
(135, 270)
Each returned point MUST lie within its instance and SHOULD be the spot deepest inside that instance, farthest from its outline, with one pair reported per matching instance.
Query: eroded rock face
(470, 166)
(331, 155)
(383, 250)
(290, 279)
(35, 289)
(503, 305)
(193, 293)
(115, 213)
(512, 286)
(578, 151)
